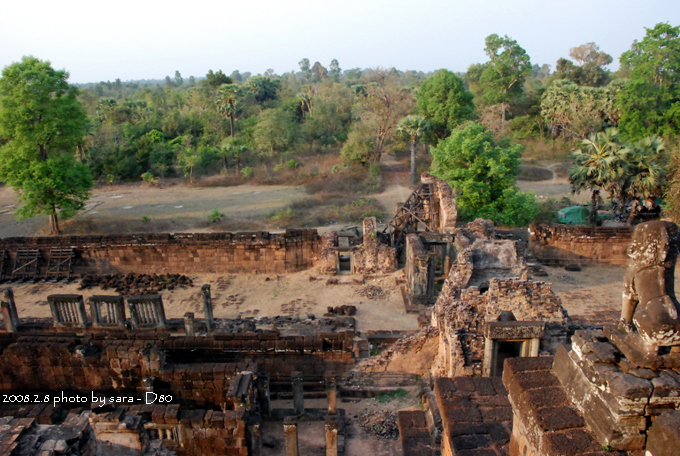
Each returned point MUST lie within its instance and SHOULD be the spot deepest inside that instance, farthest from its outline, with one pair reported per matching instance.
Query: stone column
(331, 435)
(290, 428)
(331, 391)
(298, 393)
(207, 307)
(263, 393)
(9, 310)
(255, 439)
(189, 327)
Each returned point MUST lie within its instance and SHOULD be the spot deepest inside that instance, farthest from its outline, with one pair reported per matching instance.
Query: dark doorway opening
(345, 264)
(505, 350)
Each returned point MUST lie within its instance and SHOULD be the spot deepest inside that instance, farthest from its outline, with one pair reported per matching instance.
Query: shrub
(247, 172)
(215, 216)
(292, 163)
(282, 215)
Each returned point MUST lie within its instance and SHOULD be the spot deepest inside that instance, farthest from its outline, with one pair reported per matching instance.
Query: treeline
(231, 123)
(226, 122)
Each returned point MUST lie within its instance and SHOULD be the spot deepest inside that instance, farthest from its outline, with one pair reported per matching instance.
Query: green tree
(188, 159)
(600, 165)
(380, 105)
(591, 70)
(483, 174)
(42, 123)
(229, 102)
(501, 80)
(272, 131)
(574, 110)
(414, 127)
(650, 100)
(215, 80)
(445, 102)
(263, 88)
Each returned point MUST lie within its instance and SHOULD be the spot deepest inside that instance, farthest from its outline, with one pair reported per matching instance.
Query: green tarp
(573, 215)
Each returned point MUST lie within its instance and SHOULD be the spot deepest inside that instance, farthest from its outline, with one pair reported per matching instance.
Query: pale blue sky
(141, 39)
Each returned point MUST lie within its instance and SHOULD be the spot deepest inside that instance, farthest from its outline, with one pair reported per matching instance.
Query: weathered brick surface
(248, 252)
(562, 244)
(542, 426)
(476, 416)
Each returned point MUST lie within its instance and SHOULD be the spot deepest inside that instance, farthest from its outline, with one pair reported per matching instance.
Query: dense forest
(474, 126)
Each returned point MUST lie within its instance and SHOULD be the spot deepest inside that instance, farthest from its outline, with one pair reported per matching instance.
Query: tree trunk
(231, 122)
(502, 117)
(413, 161)
(54, 221)
(633, 212)
(592, 217)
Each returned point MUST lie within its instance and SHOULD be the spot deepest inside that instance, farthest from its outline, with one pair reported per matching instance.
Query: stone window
(509, 339)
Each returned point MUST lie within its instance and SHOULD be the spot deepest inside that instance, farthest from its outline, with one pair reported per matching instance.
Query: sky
(144, 39)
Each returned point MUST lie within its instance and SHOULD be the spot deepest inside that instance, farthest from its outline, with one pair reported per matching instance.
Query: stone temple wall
(246, 252)
(562, 244)
(461, 315)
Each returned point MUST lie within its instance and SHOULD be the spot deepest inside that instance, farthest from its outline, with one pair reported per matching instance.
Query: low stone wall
(562, 244)
(195, 370)
(247, 252)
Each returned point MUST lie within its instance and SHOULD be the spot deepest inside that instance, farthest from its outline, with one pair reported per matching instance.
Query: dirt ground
(555, 188)
(253, 296)
(176, 208)
(311, 434)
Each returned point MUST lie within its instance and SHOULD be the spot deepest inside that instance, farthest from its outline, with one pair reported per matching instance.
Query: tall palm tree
(646, 173)
(414, 127)
(229, 102)
(601, 164)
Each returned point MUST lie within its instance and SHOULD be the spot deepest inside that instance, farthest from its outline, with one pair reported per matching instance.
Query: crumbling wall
(373, 256)
(445, 204)
(562, 244)
(195, 370)
(460, 316)
(416, 269)
(248, 252)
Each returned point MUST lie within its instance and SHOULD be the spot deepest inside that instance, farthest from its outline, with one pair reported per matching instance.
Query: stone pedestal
(207, 308)
(331, 391)
(189, 327)
(263, 394)
(331, 427)
(298, 393)
(290, 429)
(255, 439)
(9, 310)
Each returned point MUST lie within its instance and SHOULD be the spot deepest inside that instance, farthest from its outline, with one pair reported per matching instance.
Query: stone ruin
(498, 364)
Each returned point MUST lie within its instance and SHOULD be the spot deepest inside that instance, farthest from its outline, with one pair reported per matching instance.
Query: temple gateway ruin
(496, 364)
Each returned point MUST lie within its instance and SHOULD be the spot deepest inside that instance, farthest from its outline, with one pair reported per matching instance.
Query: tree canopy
(42, 123)
(445, 102)
(483, 174)
(650, 100)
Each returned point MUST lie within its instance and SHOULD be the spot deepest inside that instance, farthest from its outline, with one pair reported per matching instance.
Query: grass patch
(534, 174)
(400, 393)
(546, 149)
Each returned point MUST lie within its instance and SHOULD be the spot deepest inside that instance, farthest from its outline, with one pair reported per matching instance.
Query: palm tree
(646, 173)
(414, 127)
(600, 165)
(228, 102)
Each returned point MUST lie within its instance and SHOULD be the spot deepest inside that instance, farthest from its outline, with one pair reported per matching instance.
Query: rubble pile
(136, 284)
(372, 292)
(381, 424)
(341, 310)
